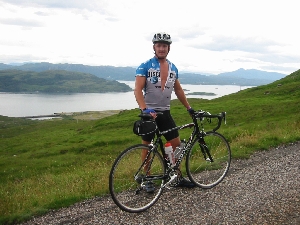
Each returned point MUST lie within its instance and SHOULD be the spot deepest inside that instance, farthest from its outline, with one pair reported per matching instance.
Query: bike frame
(197, 134)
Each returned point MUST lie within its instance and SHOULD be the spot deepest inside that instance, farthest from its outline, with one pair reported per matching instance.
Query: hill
(253, 74)
(53, 164)
(106, 72)
(57, 81)
(5, 66)
(239, 77)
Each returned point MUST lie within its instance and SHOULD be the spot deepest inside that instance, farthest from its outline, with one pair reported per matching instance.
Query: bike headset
(162, 37)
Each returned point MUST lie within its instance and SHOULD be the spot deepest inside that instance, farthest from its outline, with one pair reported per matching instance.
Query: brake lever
(208, 119)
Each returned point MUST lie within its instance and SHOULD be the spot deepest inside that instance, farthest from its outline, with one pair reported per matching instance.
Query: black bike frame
(196, 135)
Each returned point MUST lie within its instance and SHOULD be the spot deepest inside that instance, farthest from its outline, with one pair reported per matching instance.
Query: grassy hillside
(50, 164)
(57, 81)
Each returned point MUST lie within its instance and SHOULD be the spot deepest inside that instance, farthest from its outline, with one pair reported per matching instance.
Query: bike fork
(205, 151)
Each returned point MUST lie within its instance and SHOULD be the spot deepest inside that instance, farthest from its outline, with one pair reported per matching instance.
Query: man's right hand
(149, 111)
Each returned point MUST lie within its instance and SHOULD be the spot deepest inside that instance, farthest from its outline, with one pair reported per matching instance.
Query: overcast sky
(208, 36)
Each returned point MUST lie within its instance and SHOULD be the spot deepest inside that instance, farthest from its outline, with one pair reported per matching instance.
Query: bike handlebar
(196, 115)
(203, 114)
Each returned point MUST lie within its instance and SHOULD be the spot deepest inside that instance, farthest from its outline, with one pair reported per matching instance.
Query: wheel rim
(127, 184)
(203, 172)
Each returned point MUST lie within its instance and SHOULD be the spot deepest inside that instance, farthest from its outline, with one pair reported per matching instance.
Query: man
(157, 78)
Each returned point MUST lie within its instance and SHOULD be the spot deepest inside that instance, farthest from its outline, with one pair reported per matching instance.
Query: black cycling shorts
(164, 122)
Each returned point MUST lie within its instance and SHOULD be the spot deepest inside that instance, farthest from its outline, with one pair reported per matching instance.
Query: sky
(209, 37)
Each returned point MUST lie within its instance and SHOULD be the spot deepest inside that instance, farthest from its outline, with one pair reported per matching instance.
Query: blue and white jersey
(155, 97)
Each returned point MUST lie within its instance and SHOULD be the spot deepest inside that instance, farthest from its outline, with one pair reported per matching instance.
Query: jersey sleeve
(141, 71)
(174, 70)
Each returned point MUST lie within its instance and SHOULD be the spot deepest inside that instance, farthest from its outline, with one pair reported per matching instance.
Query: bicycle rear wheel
(204, 171)
(127, 179)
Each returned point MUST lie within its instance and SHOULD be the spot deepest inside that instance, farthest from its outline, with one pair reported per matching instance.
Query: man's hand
(151, 112)
(191, 110)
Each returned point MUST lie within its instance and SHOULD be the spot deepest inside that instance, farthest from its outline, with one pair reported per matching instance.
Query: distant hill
(106, 72)
(57, 81)
(253, 74)
(239, 77)
(5, 66)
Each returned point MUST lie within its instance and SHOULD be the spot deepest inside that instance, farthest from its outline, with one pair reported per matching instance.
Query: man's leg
(149, 185)
(180, 181)
(143, 156)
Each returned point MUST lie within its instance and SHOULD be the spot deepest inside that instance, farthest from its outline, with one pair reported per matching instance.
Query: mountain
(253, 74)
(5, 66)
(106, 72)
(239, 77)
(57, 81)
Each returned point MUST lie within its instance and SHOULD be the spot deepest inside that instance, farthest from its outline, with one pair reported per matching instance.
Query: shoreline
(85, 115)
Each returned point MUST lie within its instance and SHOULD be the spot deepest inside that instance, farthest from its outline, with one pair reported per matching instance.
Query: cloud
(193, 32)
(91, 5)
(227, 43)
(45, 8)
(42, 13)
(279, 69)
(21, 22)
(20, 58)
(52, 4)
(119, 33)
(279, 58)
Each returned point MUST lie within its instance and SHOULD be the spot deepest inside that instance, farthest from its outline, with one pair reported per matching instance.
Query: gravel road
(264, 189)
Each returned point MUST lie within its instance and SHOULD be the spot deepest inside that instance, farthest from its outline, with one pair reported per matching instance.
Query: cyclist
(154, 83)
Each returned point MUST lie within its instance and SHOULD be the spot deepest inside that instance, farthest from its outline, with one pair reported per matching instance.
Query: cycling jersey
(155, 97)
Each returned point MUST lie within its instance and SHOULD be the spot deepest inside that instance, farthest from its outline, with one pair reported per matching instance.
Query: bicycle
(207, 163)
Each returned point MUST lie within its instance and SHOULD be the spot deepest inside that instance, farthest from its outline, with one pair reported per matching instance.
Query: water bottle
(179, 149)
(169, 152)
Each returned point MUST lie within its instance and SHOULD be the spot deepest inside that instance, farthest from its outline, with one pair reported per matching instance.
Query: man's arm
(138, 91)
(180, 94)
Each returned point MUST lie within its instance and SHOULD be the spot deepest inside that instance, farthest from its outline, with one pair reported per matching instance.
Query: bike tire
(129, 193)
(202, 171)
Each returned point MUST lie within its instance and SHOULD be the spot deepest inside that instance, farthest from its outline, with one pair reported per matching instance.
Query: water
(19, 105)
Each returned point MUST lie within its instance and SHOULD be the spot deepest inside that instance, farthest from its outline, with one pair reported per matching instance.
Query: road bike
(208, 158)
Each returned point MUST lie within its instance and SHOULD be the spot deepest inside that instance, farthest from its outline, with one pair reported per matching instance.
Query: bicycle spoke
(129, 179)
(208, 163)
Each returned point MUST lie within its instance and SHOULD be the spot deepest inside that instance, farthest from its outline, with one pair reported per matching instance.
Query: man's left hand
(191, 110)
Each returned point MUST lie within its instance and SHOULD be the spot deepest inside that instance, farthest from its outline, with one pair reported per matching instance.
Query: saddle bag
(144, 127)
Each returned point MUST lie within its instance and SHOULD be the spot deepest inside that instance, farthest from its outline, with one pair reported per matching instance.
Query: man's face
(161, 49)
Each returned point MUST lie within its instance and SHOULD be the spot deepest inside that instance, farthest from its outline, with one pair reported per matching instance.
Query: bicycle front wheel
(130, 176)
(208, 161)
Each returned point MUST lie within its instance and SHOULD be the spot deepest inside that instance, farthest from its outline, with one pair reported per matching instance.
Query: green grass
(51, 164)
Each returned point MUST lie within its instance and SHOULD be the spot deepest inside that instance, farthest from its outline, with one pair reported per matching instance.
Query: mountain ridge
(250, 77)
(57, 81)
